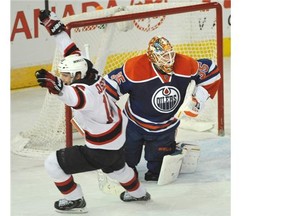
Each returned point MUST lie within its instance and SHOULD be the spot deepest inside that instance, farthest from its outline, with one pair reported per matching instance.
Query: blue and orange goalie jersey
(154, 98)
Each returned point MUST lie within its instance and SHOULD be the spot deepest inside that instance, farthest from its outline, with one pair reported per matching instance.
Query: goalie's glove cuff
(51, 22)
(201, 94)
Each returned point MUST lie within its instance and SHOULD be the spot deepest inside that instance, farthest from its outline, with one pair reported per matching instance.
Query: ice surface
(203, 193)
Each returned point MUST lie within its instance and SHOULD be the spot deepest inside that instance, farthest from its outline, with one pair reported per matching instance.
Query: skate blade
(147, 197)
(73, 211)
(136, 200)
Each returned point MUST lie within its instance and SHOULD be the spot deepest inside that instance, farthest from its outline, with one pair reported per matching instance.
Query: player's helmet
(73, 64)
(160, 52)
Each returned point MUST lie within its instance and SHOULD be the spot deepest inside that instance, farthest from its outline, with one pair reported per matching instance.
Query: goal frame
(162, 12)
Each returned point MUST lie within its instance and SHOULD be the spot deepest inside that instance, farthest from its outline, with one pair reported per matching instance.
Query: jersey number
(109, 114)
(203, 70)
(101, 87)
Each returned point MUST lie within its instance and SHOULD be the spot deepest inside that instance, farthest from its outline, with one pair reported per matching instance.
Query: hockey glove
(194, 104)
(48, 80)
(51, 22)
(193, 108)
(199, 98)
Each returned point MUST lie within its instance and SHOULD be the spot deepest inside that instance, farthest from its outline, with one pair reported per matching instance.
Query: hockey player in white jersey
(83, 89)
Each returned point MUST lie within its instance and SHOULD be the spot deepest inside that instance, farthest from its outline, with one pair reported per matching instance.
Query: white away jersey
(99, 117)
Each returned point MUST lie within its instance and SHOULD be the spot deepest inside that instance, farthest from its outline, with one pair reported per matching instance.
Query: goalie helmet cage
(117, 34)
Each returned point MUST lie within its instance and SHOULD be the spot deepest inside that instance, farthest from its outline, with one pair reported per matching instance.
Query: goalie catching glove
(48, 80)
(51, 22)
(194, 104)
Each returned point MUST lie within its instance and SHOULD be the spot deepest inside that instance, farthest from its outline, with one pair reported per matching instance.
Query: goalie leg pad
(170, 168)
(190, 160)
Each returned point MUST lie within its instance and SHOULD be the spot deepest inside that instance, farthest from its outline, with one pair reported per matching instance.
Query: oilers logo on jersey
(153, 100)
(166, 99)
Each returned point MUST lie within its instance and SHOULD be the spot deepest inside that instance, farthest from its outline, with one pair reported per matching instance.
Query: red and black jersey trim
(108, 136)
(132, 185)
(81, 98)
(111, 91)
(71, 49)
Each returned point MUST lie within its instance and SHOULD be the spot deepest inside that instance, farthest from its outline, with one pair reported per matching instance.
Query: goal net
(113, 36)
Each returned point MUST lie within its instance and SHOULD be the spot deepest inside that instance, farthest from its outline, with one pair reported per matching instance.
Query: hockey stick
(87, 49)
(103, 50)
(46, 5)
(77, 127)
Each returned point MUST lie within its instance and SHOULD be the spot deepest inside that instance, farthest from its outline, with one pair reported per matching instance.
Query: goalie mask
(160, 52)
(73, 64)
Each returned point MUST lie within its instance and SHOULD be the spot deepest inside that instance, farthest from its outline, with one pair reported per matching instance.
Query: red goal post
(117, 34)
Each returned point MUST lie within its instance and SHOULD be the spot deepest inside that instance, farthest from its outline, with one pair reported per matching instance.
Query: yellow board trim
(227, 47)
(25, 78)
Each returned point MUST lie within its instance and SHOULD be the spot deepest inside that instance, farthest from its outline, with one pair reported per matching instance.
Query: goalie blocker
(184, 160)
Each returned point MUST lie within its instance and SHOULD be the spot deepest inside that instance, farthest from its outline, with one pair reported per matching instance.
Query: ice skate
(126, 197)
(150, 176)
(71, 206)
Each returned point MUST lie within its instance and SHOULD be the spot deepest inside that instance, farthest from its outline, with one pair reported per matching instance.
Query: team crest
(166, 99)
